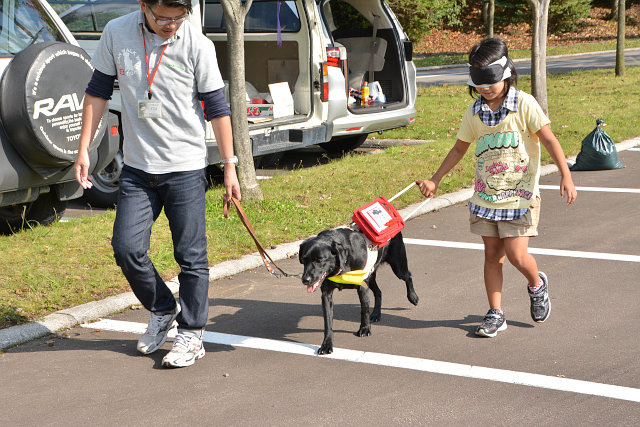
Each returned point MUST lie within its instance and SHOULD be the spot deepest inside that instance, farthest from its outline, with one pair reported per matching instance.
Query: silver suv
(324, 50)
(44, 75)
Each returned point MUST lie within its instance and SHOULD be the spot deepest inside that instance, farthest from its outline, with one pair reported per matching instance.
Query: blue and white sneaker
(156, 334)
(540, 303)
(492, 323)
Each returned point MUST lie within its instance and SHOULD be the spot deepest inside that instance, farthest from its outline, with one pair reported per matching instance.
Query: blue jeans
(142, 197)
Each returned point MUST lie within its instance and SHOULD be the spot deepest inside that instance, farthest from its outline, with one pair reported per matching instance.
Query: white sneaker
(157, 330)
(187, 348)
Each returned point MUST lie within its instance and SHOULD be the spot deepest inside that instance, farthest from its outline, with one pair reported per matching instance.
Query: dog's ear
(340, 252)
(303, 250)
(305, 247)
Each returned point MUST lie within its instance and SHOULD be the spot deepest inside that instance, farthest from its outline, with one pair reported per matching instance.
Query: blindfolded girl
(507, 127)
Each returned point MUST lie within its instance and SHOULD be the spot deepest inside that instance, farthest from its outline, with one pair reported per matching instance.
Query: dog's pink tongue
(312, 288)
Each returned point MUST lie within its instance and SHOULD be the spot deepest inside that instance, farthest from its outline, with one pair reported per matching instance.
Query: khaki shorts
(526, 225)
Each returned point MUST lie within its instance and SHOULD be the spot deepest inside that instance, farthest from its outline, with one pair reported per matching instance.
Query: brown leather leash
(266, 259)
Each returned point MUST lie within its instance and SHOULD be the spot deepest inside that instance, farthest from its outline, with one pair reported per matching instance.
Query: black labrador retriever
(340, 250)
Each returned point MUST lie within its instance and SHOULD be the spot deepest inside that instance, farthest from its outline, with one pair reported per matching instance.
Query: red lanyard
(150, 79)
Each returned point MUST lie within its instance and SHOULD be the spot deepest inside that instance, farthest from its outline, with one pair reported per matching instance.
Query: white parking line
(633, 149)
(602, 189)
(540, 251)
(403, 362)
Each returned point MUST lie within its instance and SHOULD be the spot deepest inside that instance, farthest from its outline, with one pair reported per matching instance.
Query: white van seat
(282, 70)
(359, 57)
(286, 70)
(302, 96)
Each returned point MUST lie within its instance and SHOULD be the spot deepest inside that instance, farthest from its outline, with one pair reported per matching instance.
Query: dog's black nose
(306, 280)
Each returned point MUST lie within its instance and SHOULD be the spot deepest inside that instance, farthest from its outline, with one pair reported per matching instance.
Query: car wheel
(106, 184)
(45, 210)
(344, 143)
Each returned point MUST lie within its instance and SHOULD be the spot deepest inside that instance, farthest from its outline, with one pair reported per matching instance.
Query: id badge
(149, 109)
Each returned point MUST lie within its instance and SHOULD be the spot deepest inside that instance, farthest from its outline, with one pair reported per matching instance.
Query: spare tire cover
(41, 97)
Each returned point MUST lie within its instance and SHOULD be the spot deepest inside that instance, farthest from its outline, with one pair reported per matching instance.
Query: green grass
(462, 57)
(66, 264)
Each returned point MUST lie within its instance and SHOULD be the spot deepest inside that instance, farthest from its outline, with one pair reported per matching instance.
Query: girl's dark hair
(171, 3)
(487, 51)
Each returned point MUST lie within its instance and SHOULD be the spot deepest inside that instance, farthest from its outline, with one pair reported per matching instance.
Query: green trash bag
(598, 152)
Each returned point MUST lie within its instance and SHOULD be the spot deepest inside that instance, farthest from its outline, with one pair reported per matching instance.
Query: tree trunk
(235, 12)
(491, 14)
(488, 12)
(614, 10)
(620, 43)
(485, 14)
(540, 11)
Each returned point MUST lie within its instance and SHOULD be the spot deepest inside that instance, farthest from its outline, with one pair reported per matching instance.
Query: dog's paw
(364, 331)
(413, 297)
(325, 348)
(375, 316)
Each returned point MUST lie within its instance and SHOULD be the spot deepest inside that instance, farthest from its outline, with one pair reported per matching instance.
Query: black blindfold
(489, 75)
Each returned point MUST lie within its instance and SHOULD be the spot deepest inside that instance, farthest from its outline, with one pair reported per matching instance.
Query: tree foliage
(613, 3)
(563, 15)
(419, 16)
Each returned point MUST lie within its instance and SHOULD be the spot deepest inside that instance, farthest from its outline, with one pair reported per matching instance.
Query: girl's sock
(534, 289)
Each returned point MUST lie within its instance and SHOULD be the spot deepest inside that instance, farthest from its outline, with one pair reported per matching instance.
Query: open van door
(371, 73)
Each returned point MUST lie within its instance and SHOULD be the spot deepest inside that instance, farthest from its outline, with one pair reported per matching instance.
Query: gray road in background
(555, 64)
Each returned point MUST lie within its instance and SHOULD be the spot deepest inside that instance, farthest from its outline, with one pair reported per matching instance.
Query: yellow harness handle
(354, 277)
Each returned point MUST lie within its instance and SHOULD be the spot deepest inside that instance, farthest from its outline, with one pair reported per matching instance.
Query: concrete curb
(88, 312)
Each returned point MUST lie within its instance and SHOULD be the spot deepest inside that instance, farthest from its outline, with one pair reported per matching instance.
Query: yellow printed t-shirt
(507, 155)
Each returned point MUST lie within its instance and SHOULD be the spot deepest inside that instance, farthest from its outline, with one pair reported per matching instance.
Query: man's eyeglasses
(163, 22)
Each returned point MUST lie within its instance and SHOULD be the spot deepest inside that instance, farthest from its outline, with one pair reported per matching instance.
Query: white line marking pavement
(602, 189)
(404, 362)
(633, 149)
(551, 252)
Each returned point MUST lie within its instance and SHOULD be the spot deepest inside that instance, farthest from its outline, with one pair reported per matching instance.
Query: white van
(324, 50)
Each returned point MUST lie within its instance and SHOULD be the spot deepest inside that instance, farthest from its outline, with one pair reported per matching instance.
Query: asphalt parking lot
(422, 365)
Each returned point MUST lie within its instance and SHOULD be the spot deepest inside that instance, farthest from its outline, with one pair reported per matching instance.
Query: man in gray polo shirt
(166, 69)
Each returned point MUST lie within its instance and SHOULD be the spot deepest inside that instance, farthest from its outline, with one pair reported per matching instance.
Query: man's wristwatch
(233, 159)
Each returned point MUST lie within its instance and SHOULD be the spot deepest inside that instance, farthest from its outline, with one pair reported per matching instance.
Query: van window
(24, 23)
(263, 17)
(90, 16)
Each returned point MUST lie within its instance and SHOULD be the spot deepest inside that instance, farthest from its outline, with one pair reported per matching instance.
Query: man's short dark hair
(170, 3)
